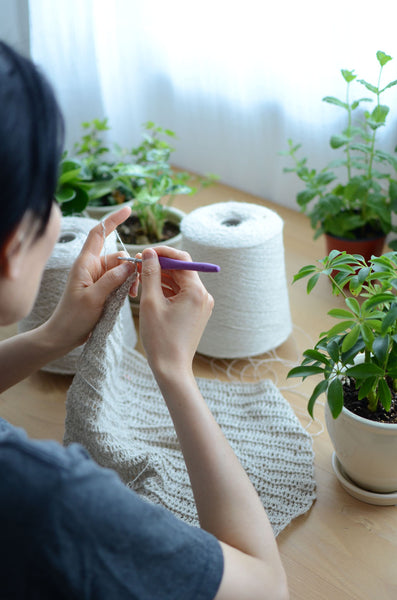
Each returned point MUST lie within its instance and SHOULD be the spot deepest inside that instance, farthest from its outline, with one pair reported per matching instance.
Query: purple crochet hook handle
(171, 263)
(181, 265)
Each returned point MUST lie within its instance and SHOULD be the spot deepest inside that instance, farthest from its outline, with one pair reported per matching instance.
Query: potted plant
(357, 362)
(357, 204)
(92, 175)
(96, 182)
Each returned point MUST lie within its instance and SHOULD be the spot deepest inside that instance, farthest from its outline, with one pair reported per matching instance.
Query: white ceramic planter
(367, 450)
(98, 212)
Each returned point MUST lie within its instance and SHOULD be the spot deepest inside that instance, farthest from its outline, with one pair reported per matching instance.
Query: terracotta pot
(367, 248)
(367, 450)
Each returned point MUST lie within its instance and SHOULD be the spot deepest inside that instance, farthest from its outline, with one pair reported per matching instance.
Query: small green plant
(358, 204)
(366, 329)
(89, 177)
(71, 194)
(157, 183)
(96, 176)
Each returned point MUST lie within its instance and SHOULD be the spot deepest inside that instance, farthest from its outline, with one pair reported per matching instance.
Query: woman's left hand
(89, 284)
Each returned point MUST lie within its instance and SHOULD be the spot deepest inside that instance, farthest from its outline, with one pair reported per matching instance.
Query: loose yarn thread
(251, 313)
(73, 234)
(267, 367)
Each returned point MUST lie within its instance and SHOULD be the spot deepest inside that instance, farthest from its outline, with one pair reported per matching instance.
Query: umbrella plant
(359, 352)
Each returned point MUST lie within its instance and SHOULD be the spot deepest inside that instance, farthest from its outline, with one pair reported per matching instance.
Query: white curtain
(233, 78)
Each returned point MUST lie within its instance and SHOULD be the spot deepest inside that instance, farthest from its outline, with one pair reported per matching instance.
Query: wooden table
(342, 548)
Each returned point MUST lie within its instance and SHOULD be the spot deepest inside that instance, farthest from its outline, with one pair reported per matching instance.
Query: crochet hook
(181, 265)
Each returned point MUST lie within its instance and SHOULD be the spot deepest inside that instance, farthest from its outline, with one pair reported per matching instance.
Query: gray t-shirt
(71, 529)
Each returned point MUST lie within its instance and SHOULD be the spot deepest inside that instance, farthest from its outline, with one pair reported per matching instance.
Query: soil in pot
(131, 232)
(360, 407)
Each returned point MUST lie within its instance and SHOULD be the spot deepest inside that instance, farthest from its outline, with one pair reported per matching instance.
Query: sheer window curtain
(234, 79)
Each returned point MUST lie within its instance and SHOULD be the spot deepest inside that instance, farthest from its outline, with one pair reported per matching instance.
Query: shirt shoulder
(95, 534)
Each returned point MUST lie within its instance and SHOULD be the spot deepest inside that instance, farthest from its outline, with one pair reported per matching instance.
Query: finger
(133, 291)
(94, 241)
(181, 277)
(112, 279)
(112, 260)
(151, 274)
(172, 253)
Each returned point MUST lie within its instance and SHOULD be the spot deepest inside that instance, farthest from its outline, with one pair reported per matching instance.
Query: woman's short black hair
(31, 142)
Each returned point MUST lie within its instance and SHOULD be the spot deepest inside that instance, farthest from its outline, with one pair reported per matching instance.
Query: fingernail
(148, 253)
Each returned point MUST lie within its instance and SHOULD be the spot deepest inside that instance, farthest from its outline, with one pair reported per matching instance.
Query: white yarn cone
(251, 313)
(73, 234)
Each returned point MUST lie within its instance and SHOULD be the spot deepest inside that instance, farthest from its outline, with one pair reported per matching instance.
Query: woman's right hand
(174, 310)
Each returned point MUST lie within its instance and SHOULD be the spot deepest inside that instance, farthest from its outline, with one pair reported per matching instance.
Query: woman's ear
(11, 253)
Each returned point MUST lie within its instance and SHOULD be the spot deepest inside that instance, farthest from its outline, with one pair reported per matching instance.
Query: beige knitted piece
(115, 410)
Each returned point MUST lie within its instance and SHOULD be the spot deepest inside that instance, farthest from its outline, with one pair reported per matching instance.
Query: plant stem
(349, 123)
(371, 156)
(336, 285)
(372, 401)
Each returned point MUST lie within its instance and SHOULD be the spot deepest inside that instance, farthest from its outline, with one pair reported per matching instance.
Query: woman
(70, 529)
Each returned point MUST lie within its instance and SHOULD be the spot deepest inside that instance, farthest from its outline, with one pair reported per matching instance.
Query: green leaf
(380, 113)
(382, 58)
(384, 394)
(392, 361)
(353, 352)
(380, 348)
(351, 338)
(333, 350)
(354, 306)
(65, 194)
(344, 259)
(337, 141)
(367, 335)
(389, 85)
(316, 355)
(334, 253)
(69, 175)
(364, 370)
(369, 86)
(304, 272)
(339, 328)
(77, 204)
(319, 389)
(340, 313)
(390, 318)
(305, 371)
(378, 299)
(348, 76)
(335, 101)
(354, 105)
(305, 196)
(354, 285)
(366, 387)
(335, 397)
(363, 274)
(312, 282)
(393, 194)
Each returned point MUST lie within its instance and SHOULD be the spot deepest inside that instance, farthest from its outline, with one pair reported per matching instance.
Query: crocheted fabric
(115, 409)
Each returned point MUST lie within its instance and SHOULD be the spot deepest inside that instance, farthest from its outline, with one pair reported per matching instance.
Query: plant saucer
(354, 490)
